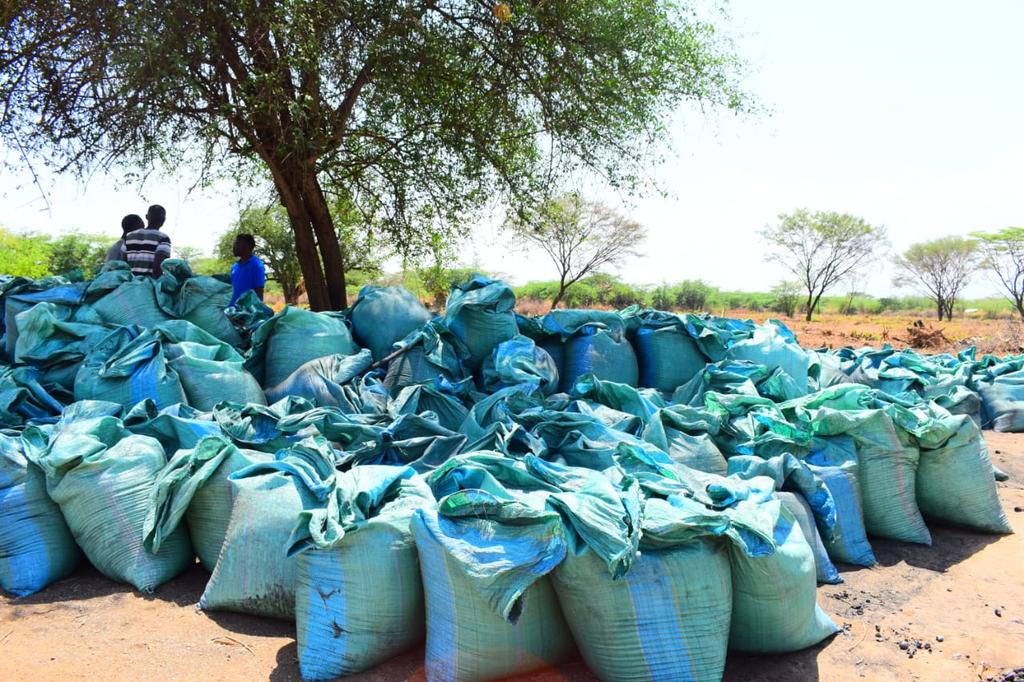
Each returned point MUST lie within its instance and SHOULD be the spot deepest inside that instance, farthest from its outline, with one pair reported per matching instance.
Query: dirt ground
(963, 597)
(997, 336)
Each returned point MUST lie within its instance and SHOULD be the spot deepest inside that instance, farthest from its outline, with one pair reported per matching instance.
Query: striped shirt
(141, 248)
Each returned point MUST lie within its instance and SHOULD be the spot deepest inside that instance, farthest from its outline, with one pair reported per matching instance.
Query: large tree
(579, 237)
(941, 268)
(822, 248)
(421, 111)
(1003, 254)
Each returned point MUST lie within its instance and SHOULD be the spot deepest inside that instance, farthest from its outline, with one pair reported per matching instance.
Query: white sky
(908, 114)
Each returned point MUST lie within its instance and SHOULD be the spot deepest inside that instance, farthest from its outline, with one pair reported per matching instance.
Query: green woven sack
(101, 477)
(194, 486)
(358, 594)
(955, 483)
(773, 606)
(253, 573)
(887, 465)
(292, 338)
(36, 547)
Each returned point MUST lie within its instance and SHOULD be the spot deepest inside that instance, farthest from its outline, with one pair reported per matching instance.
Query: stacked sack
(641, 489)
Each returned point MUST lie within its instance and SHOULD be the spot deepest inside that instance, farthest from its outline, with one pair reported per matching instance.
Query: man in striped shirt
(147, 248)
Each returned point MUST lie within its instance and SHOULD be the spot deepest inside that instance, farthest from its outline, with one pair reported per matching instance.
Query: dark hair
(156, 215)
(247, 238)
(131, 222)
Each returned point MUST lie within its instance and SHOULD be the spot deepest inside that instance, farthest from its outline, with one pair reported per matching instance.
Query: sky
(907, 114)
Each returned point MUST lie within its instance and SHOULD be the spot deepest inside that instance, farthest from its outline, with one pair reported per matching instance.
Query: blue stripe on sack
(656, 634)
(27, 571)
(143, 384)
(442, 623)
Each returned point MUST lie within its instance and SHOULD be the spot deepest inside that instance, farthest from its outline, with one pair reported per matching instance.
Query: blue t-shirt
(245, 276)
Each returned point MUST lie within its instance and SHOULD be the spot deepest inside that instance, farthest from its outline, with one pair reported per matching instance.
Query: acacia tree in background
(420, 111)
(822, 249)
(941, 268)
(275, 245)
(1002, 253)
(580, 237)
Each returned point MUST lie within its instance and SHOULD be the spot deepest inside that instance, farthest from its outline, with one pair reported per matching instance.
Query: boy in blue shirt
(248, 273)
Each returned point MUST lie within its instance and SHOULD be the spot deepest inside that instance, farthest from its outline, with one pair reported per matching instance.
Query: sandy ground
(966, 589)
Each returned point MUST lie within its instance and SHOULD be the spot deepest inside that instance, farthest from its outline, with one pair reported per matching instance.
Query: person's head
(130, 223)
(244, 245)
(155, 216)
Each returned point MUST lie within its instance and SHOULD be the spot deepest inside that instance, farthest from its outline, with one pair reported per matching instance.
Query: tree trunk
(810, 306)
(942, 308)
(561, 293)
(289, 190)
(291, 292)
(327, 239)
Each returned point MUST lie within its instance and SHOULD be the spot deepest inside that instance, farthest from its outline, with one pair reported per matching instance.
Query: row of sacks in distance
(543, 525)
(67, 331)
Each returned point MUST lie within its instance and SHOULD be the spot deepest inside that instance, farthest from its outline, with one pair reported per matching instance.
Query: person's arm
(260, 281)
(163, 252)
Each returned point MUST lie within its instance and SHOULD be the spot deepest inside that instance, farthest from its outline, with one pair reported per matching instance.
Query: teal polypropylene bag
(825, 571)
(519, 361)
(321, 381)
(489, 619)
(253, 573)
(176, 427)
(200, 300)
(24, 399)
(383, 316)
(292, 338)
(36, 547)
(208, 376)
(661, 613)
(49, 340)
(194, 487)
(420, 399)
(133, 302)
(775, 347)
(466, 638)
(955, 483)
(127, 367)
(480, 314)
(834, 460)
(433, 352)
(686, 434)
(887, 462)
(667, 355)
(358, 592)
(774, 607)
(101, 477)
(594, 343)
(806, 497)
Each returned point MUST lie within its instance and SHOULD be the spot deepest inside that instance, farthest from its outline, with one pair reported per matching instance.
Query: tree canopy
(420, 111)
(941, 268)
(34, 256)
(1003, 254)
(822, 248)
(579, 237)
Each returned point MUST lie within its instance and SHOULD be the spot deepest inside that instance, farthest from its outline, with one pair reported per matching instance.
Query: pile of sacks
(643, 489)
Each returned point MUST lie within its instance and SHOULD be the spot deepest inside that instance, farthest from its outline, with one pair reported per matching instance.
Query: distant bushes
(606, 291)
